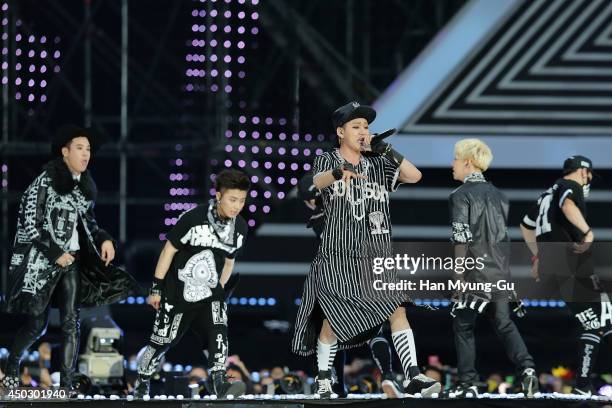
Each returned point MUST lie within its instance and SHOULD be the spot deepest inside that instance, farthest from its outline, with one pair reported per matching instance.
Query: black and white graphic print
(199, 276)
(205, 236)
(219, 312)
(378, 223)
(32, 280)
(147, 364)
(220, 355)
(165, 327)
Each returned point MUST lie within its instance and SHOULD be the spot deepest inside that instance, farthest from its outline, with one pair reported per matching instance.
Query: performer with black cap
(61, 258)
(340, 307)
(560, 238)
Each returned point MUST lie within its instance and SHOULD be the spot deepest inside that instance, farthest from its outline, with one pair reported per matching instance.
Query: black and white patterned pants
(209, 322)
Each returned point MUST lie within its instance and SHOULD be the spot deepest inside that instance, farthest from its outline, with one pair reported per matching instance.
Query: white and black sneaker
(141, 387)
(423, 385)
(324, 384)
(462, 390)
(529, 382)
(390, 387)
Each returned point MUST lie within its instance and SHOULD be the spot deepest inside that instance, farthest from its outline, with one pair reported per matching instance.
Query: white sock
(326, 354)
(403, 341)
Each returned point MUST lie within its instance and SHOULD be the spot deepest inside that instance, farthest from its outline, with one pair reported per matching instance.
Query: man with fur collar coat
(61, 258)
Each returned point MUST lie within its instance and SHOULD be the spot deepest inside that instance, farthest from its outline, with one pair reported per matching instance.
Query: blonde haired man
(479, 216)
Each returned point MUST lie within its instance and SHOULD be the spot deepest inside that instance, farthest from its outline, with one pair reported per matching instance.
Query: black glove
(231, 285)
(386, 150)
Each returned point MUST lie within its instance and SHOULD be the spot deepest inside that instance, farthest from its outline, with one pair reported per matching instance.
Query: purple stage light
(227, 14)
(43, 98)
(241, 15)
(253, 193)
(240, 44)
(194, 28)
(254, 179)
(213, 13)
(241, 163)
(241, 30)
(211, 191)
(282, 150)
(295, 137)
(294, 166)
(242, 119)
(213, 28)
(202, 13)
(228, 163)
(31, 39)
(267, 194)
(255, 15)
(255, 120)
(280, 195)
(17, 81)
(307, 166)
(43, 69)
(252, 208)
(268, 150)
(4, 80)
(17, 51)
(282, 121)
(319, 152)
(179, 162)
(18, 95)
(267, 179)
(56, 69)
(281, 180)
(227, 59)
(18, 37)
(266, 209)
(241, 148)
(228, 133)
(227, 73)
(228, 148)
(281, 165)
(321, 137)
(254, 30)
(251, 223)
(242, 134)
(241, 74)
(308, 137)
(268, 165)
(294, 151)
(227, 29)
(214, 73)
(306, 152)
(43, 54)
(255, 149)
(269, 121)
(254, 164)
(269, 135)
(294, 181)
(214, 87)
(282, 136)
(194, 13)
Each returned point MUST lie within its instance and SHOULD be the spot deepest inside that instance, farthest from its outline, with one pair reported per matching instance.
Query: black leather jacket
(479, 219)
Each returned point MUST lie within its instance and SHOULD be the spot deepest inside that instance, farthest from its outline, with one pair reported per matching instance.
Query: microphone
(379, 137)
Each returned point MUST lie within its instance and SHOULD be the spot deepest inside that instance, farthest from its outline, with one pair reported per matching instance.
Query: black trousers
(208, 321)
(498, 314)
(67, 293)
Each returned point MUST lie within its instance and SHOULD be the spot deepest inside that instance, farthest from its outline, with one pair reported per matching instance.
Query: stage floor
(360, 401)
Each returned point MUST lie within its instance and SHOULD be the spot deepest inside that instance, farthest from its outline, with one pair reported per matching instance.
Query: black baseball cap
(576, 162)
(350, 111)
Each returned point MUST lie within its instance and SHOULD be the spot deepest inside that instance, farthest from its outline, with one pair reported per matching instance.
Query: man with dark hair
(559, 237)
(61, 258)
(188, 285)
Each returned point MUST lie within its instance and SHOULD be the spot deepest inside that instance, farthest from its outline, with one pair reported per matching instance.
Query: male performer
(479, 216)
(339, 307)
(61, 258)
(558, 235)
(379, 346)
(188, 286)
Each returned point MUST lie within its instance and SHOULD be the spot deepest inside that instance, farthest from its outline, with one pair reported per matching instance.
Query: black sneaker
(584, 391)
(462, 390)
(324, 384)
(529, 382)
(141, 387)
(422, 384)
(390, 387)
(222, 387)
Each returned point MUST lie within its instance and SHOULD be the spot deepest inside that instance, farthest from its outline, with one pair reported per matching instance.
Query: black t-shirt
(547, 218)
(194, 274)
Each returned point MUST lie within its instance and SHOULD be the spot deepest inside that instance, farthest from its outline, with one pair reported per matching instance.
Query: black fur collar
(63, 183)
